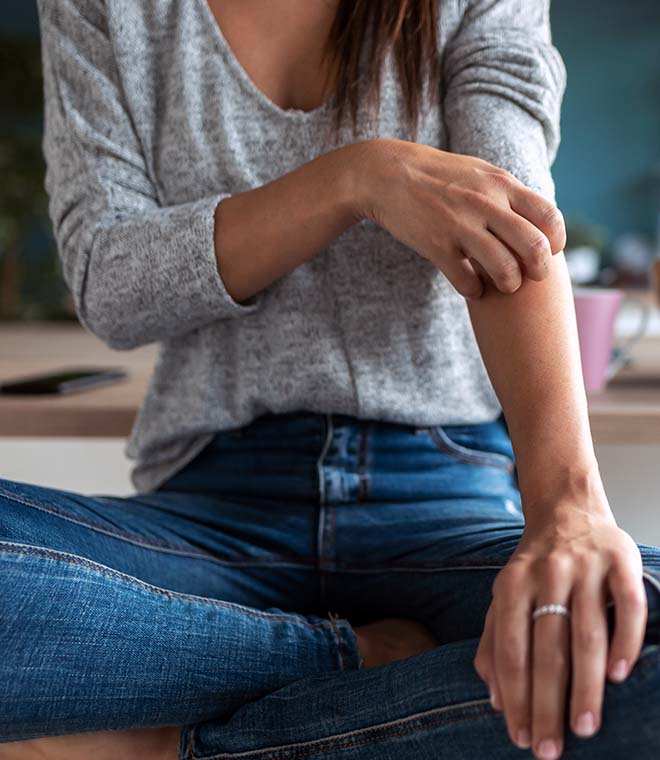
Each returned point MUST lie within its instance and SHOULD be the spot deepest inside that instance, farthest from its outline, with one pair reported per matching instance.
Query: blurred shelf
(106, 411)
(628, 412)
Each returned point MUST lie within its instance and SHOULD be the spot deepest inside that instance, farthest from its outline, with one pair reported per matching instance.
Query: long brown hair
(409, 28)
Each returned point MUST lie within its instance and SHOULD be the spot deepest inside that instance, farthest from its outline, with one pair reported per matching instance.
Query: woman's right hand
(468, 217)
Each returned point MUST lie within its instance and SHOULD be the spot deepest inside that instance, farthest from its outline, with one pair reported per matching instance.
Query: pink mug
(596, 310)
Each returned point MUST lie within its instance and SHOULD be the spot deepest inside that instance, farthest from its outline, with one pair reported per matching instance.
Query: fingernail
(585, 724)
(548, 750)
(492, 700)
(523, 739)
(619, 670)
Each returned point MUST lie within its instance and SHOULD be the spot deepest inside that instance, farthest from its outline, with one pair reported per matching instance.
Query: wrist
(366, 164)
(571, 487)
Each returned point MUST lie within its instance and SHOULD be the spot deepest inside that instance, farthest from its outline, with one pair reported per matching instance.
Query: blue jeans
(224, 602)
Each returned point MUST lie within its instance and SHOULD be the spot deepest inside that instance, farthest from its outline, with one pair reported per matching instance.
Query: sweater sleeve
(138, 271)
(503, 86)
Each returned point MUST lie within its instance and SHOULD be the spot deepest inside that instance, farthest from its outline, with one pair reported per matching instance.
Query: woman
(324, 482)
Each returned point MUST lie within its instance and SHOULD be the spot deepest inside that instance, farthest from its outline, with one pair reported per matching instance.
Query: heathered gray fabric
(151, 121)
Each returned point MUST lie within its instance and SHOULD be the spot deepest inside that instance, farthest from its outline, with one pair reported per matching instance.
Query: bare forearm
(529, 344)
(263, 234)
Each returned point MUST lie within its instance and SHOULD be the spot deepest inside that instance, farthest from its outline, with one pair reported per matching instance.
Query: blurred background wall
(20, 17)
(608, 162)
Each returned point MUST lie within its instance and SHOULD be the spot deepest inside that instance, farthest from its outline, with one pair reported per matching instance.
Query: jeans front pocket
(470, 449)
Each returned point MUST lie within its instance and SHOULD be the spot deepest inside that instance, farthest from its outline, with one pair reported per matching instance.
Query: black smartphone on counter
(61, 381)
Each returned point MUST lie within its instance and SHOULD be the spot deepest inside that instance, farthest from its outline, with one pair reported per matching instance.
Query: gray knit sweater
(151, 121)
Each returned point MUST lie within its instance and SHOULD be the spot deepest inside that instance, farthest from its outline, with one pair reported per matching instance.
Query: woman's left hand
(574, 554)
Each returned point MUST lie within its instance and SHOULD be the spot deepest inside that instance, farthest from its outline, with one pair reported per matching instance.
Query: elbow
(113, 334)
(103, 304)
(109, 318)
(119, 341)
(108, 306)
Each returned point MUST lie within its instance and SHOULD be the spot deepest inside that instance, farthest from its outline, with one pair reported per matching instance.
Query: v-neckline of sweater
(247, 81)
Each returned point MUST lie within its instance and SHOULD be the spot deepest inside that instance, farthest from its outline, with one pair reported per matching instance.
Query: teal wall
(611, 112)
(19, 16)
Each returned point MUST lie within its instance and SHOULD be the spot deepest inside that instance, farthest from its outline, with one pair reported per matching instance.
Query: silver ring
(551, 609)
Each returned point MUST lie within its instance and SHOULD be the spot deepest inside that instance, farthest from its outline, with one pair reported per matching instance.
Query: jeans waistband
(292, 424)
(338, 457)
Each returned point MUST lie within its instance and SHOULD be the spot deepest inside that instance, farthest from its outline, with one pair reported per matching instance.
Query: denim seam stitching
(331, 532)
(358, 465)
(464, 454)
(86, 522)
(367, 479)
(413, 569)
(362, 472)
(469, 456)
(437, 568)
(111, 572)
(153, 544)
(427, 719)
(337, 640)
(191, 750)
(320, 536)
